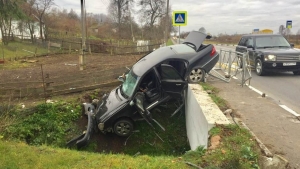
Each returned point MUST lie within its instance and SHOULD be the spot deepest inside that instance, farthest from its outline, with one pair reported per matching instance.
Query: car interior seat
(152, 93)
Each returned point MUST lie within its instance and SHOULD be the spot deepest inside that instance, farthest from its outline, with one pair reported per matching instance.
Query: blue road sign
(289, 24)
(179, 18)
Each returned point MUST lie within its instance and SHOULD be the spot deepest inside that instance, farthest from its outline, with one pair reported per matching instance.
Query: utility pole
(130, 22)
(81, 56)
(167, 23)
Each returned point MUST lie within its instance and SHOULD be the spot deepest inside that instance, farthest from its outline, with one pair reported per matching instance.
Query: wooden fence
(47, 86)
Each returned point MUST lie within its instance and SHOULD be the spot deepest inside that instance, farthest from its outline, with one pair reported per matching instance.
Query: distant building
(25, 34)
(264, 31)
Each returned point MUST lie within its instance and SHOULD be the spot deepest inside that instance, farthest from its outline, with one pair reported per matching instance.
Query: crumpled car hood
(110, 105)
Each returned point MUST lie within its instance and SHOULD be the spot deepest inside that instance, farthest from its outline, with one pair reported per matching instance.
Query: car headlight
(270, 58)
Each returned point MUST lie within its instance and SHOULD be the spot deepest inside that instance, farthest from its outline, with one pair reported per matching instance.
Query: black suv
(270, 52)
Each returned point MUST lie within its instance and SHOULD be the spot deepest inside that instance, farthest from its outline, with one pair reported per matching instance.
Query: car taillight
(213, 51)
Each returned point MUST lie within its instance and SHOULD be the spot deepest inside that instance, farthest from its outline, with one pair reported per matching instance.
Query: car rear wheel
(123, 127)
(296, 72)
(259, 68)
(196, 76)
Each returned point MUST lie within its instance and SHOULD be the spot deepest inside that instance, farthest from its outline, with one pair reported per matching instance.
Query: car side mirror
(131, 103)
(122, 78)
(292, 45)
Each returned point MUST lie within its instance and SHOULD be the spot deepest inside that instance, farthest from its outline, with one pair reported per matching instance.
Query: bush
(47, 124)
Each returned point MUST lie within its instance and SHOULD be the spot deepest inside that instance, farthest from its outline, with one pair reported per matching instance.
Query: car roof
(179, 51)
(260, 35)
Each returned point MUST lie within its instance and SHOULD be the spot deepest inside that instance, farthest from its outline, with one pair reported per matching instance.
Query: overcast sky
(219, 16)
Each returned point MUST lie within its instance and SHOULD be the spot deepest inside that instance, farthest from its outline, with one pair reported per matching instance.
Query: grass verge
(18, 49)
(169, 42)
(236, 150)
(20, 155)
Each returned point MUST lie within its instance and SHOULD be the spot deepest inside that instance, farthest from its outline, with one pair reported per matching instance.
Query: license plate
(289, 64)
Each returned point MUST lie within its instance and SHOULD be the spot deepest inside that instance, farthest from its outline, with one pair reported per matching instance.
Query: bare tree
(281, 29)
(73, 15)
(202, 29)
(9, 10)
(119, 7)
(42, 6)
(152, 10)
(29, 21)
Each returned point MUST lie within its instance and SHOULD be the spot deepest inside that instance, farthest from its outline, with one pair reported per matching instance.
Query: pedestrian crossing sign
(179, 18)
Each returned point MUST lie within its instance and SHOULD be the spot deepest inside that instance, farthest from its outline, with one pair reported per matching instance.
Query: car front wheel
(259, 68)
(123, 127)
(296, 72)
(196, 76)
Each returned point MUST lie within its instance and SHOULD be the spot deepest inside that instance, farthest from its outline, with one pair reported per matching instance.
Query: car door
(171, 81)
(241, 45)
(139, 102)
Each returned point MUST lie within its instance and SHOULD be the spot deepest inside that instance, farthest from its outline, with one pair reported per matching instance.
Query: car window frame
(242, 41)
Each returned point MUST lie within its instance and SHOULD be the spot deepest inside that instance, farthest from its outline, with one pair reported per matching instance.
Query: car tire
(259, 68)
(196, 76)
(123, 127)
(296, 72)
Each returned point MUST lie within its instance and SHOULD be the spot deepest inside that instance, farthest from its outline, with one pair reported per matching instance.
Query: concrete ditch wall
(201, 115)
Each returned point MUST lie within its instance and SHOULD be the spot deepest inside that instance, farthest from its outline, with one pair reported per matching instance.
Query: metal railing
(234, 65)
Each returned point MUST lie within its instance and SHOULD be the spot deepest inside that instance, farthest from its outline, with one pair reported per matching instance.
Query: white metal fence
(233, 65)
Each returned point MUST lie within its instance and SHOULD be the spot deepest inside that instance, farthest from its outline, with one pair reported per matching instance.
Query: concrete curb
(264, 149)
(269, 160)
(225, 44)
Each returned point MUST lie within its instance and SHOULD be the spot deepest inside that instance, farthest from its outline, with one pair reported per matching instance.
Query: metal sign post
(179, 18)
(179, 35)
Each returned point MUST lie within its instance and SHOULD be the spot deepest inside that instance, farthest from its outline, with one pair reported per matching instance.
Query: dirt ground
(63, 71)
(63, 66)
(275, 127)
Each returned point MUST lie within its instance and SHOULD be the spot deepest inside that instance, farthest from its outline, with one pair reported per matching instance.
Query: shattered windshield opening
(129, 84)
(271, 41)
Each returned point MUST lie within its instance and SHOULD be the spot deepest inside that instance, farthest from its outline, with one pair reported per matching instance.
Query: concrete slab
(201, 115)
(210, 110)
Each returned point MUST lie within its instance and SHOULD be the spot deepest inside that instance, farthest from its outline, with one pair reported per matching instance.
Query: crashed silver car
(155, 79)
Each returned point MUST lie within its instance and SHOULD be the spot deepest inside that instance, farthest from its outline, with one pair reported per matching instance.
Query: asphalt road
(284, 87)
